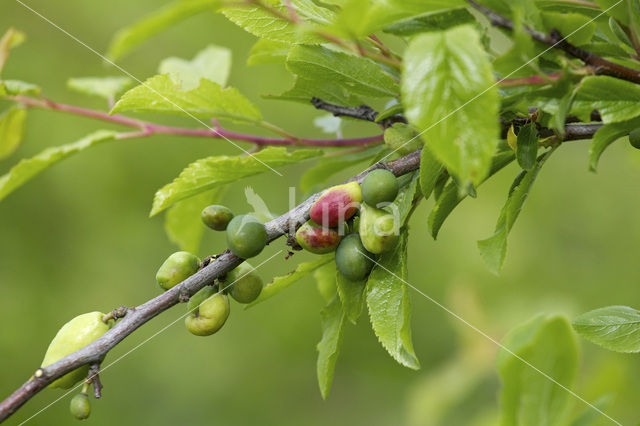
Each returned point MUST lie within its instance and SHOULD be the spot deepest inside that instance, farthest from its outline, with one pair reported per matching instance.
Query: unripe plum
(80, 407)
(378, 187)
(217, 217)
(378, 229)
(317, 239)
(352, 259)
(177, 268)
(246, 236)
(210, 315)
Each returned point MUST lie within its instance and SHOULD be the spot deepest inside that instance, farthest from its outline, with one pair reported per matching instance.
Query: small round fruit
(402, 138)
(210, 315)
(379, 187)
(316, 239)
(243, 284)
(246, 236)
(177, 268)
(634, 138)
(80, 407)
(352, 259)
(74, 335)
(201, 295)
(217, 217)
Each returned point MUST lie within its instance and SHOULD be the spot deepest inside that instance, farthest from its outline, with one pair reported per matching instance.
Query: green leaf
(527, 146)
(207, 173)
(355, 74)
(617, 9)
(327, 166)
(325, 277)
(615, 99)
(209, 99)
(616, 328)
(403, 203)
(16, 87)
(332, 321)
(451, 197)
(605, 136)
(429, 22)
(304, 89)
(494, 249)
(389, 304)
(268, 52)
(430, 170)
(359, 18)
(280, 283)
(12, 124)
(212, 63)
(578, 28)
(182, 222)
(449, 94)
(26, 169)
(129, 37)
(264, 24)
(104, 87)
(528, 398)
(351, 295)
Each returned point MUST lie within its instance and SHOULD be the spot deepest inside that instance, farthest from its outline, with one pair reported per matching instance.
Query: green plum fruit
(352, 259)
(378, 229)
(209, 316)
(246, 236)
(217, 217)
(177, 268)
(243, 283)
(80, 407)
(379, 187)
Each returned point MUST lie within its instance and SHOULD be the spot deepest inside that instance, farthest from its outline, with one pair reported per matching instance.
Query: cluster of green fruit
(209, 308)
(349, 219)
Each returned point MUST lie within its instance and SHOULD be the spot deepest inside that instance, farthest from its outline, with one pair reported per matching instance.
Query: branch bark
(95, 352)
(600, 65)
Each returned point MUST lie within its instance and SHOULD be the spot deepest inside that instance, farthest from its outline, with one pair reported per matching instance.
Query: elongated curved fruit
(80, 407)
(243, 283)
(246, 236)
(336, 205)
(210, 315)
(177, 268)
(317, 239)
(352, 259)
(74, 335)
(378, 229)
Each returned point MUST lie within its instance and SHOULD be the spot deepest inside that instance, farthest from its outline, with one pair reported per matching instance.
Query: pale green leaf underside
(212, 63)
(332, 322)
(616, 328)
(268, 52)
(161, 94)
(103, 87)
(389, 304)
(210, 172)
(28, 168)
(182, 222)
(281, 283)
(449, 94)
(528, 398)
(12, 124)
(128, 38)
(605, 136)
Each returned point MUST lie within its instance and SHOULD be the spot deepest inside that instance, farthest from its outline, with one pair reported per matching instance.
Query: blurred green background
(78, 238)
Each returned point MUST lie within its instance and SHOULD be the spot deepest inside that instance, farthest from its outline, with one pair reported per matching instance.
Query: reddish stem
(529, 81)
(147, 128)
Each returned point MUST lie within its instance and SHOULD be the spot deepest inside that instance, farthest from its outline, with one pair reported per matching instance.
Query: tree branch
(363, 112)
(600, 65)
(146, 128)
(95, 352)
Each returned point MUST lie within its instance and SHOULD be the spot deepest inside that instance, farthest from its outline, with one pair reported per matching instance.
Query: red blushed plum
(336, 205)
(317, 239)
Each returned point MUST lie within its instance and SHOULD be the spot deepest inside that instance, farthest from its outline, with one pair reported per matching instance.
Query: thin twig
(362, 112)
(600, 65)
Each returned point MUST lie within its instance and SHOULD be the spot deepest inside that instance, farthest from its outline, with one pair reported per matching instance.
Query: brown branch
(135, 317)
(600, 65)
